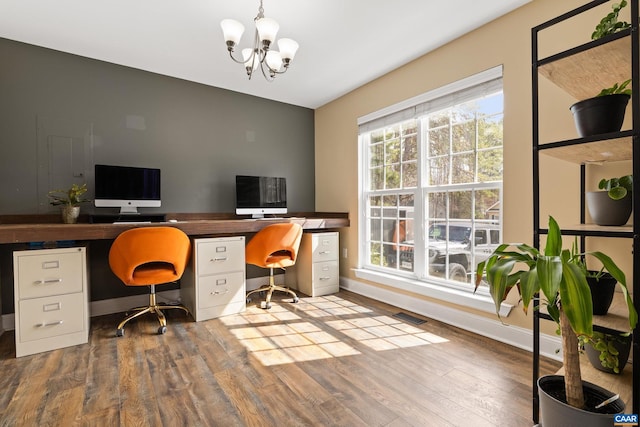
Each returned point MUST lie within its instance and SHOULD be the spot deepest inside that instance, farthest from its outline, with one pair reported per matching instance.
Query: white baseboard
(494, 329)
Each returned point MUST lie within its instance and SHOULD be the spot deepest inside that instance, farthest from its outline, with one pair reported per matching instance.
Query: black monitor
(127, 187)
(260, 195)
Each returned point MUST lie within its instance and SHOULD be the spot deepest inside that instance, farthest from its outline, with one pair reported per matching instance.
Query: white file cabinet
(317, 269)
(214, 282)
(51, 299)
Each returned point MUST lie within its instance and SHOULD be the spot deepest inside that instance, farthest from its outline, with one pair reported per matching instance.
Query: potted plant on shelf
(608, 352)
(557, 277)
(70, 201)
(612, 205)
(610, 24)
(603, 113)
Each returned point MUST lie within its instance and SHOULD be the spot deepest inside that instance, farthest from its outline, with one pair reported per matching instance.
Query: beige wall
(505, 41)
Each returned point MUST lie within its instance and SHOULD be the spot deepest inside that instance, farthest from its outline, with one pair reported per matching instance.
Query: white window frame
(411, 281)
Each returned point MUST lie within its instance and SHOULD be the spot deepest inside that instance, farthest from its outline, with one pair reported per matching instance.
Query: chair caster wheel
(295, 300)
(265, 305)
(248, 300)
(120, 332)
(162, 330)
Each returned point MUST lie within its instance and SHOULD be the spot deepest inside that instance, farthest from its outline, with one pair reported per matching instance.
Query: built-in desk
(16, 231)
(30, 230)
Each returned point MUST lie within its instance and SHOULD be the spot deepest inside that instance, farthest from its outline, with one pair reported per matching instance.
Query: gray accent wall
(60, 114)
(199, 136)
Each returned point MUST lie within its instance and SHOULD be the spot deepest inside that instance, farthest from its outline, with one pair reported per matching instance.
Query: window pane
(490, 165)
(410, 148)
(392, 178)
(377, 179)
(463, 168)
(490, 131)
(439, 171)
(410, 175)
(464, 137)
(488, 204)
(460, 204)
(376, 155)
(374, 251)
(440, 118)
(437, 205)
(392, 149)
(375, 230)
(439, 142)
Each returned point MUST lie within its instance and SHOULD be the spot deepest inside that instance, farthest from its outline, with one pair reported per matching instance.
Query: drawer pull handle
(325, 278)
(220, 293)
(324, 252)
(44, 325)
(221, 258)
(47, 281)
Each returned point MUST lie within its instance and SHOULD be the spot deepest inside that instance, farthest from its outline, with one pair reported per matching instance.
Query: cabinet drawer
(219, 255)
(220, 289)
(51, 316)
(326, 273)
(43, 274)
(325, 246)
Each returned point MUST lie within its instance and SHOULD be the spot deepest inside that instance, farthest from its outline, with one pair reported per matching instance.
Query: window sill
(476, 301)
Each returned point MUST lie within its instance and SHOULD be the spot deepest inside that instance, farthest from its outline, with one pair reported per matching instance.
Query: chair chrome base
(153, 307)
(270, 289)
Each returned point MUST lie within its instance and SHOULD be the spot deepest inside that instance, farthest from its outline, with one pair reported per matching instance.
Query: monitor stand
(129, 210)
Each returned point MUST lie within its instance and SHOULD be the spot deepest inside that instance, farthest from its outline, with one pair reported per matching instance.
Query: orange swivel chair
(275, 246)
(150, 256)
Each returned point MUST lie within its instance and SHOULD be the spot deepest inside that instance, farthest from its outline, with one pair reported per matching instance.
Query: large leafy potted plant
(70, 200)
(613, 204)
(557, 279)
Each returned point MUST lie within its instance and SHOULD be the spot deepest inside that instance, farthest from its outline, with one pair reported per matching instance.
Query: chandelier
(270, 62)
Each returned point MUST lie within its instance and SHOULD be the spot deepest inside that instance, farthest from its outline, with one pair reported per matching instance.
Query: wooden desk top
(13, 229)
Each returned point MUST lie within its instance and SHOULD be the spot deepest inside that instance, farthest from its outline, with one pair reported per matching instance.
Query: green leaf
(618, 193)
(497, 276)
(529, 286)
(575, 298)
(554, 239)
(549, 275)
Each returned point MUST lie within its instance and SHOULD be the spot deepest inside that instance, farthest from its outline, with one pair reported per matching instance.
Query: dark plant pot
(602, 290)
(622, 344)
(554, 412)
(606, 211)
(602, 114)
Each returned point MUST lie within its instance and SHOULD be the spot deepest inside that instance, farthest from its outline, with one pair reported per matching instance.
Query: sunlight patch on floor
(280, 335)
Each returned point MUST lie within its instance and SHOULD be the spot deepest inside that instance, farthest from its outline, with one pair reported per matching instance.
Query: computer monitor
(127, 188)
(260, 195)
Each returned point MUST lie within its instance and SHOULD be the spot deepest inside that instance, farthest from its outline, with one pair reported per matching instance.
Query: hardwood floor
(341, 360)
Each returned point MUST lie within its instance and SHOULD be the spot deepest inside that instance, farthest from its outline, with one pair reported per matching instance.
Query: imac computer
(127, 188)
(260, 195)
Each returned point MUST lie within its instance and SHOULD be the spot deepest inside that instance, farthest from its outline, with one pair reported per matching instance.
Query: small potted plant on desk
(557, 277)
(70, 201)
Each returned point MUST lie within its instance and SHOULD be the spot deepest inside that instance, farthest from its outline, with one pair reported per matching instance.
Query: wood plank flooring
(340, 360)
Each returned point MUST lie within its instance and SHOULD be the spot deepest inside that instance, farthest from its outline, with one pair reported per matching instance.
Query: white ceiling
(343, 43)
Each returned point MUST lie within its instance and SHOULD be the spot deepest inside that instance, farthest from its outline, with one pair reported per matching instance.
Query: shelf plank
(584, 74)
(612, 150)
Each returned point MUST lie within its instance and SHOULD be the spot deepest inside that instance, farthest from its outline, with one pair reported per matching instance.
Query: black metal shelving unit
(627, 42)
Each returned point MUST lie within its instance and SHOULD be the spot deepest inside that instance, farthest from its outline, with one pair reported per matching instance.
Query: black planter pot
(602, 290)
(606, 211)
(622, 344)
(602, 114)
(555, 412)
